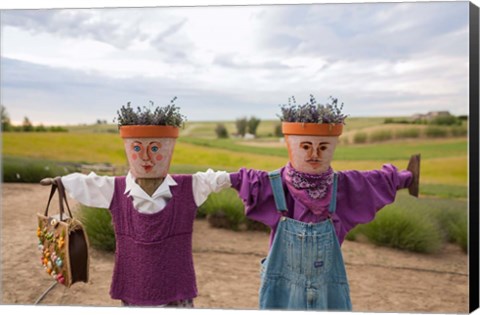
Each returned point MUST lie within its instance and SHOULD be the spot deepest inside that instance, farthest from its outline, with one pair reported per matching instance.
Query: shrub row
(444, 120)
(403, 229)
(21, 170)
(225, 210)
(40, 128)
(418, 226)
(222, 210)
(99, 227)
(429, 132)
(423, 227)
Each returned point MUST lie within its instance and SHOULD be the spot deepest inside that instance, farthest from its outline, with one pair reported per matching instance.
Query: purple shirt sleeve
(360, 194)
(254, 189)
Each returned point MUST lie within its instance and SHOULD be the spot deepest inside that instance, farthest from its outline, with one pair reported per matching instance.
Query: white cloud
(225, 61)
(78, 24)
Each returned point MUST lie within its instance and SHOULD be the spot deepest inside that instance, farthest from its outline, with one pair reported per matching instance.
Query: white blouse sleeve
(91, 190)
(204, 183)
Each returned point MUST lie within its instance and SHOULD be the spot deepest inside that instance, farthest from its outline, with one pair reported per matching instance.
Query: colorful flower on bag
(59, 262)
(60, 242)
(39, 232)
(60, 278)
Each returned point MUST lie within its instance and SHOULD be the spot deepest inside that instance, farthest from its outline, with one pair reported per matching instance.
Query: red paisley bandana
(312, 190)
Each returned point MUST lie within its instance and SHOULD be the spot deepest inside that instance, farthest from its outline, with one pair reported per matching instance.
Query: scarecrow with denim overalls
(310, 208)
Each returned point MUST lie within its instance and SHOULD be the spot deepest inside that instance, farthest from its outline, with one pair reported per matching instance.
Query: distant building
(430, 115)
(418, 117)
(438, 114)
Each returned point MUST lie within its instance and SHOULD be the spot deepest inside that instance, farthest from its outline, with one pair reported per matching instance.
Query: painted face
(311, 154)
(149, 157)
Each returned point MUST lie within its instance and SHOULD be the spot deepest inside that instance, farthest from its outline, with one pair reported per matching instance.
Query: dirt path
(226, 263)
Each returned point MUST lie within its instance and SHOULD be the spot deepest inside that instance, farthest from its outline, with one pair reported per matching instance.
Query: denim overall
(304, 269)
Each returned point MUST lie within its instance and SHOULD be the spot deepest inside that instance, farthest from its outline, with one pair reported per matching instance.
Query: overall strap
(333, 198)
(277, 188)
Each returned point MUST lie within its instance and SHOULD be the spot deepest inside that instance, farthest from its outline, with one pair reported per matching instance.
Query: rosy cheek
(159, 157)
(134, 156)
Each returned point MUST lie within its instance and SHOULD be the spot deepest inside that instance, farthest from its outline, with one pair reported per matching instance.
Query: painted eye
(323, 147)
(136, 148)
(305, 147)
(154, 149)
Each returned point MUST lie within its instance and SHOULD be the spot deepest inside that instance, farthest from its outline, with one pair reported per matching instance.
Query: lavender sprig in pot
(149, 136)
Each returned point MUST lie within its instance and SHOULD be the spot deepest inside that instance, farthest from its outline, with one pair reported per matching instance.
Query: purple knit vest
(153, 257)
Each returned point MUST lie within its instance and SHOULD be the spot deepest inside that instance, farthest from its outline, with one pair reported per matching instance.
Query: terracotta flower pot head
(149, 139)
(149, 149)
(311, 151)
(311, 145)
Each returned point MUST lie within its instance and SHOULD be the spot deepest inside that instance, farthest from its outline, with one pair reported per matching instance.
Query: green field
(412, 224)
(444, 169)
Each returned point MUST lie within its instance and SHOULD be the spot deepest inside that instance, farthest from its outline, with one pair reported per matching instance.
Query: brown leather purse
(62, 241)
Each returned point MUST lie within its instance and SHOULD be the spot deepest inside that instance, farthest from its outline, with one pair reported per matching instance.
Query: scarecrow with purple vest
(310, 208)
(152, 211)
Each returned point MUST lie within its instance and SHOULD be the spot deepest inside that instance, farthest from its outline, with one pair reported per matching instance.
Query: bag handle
(62, 197)
(52, 192)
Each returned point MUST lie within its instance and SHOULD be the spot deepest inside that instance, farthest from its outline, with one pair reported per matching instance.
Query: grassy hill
(441, 210)
(444, 159)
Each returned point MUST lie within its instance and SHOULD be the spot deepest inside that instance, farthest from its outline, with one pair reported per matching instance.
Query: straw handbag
(62, 241)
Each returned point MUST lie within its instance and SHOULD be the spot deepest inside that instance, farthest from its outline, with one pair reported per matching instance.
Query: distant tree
(57, 129)
(241, 124)
(40, 128)
(221, 131)
(278, 130)
(27, 125)
(253, 123)
(447, 120)
(6, 125)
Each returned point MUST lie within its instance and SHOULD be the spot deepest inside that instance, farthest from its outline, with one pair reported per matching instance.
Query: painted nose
(144, 155)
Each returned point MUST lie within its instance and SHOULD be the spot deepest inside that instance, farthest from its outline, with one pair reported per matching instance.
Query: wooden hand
(49, 181)
(414, 168)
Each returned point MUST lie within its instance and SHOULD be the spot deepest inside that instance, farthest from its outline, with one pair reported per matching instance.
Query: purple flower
(312, 112)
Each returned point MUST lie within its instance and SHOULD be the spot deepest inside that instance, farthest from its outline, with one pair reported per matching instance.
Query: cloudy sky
(69, 66)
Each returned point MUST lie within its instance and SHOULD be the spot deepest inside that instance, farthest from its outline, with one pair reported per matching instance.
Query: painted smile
(314, 163)
(147, 168)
